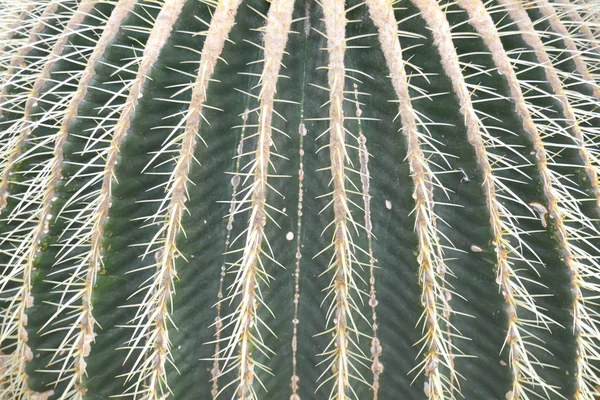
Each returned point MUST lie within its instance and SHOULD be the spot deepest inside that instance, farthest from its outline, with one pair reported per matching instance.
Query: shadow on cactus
(250, 199)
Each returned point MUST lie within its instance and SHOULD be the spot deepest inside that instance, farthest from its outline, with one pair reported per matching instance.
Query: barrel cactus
(251, 199)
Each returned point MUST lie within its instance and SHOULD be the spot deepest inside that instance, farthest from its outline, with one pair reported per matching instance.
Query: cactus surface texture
(299, 199)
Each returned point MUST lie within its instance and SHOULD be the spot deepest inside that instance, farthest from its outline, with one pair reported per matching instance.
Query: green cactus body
(282, 199)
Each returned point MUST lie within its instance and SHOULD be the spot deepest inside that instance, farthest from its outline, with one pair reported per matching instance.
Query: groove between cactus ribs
(527, 31)
(161, 289)
(302, 133)
(87, 269)
(250, 268)
(584, 326)
(295, 378)
(365, 178)
(437, 348)
(515, 293)
(148, 380)
(235, 182)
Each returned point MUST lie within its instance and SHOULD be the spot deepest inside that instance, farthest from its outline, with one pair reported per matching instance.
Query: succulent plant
(278, 199)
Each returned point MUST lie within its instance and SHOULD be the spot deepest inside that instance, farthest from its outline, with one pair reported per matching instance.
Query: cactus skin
(282, 199)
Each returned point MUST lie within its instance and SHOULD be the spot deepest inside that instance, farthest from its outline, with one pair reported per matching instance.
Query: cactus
(250, 199)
